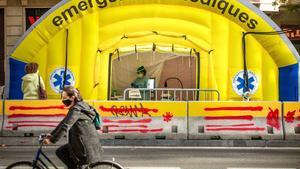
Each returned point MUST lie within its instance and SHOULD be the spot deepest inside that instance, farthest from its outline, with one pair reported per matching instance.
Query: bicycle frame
(38, 159)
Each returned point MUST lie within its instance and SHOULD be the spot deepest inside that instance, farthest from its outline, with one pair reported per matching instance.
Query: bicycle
(38, 162)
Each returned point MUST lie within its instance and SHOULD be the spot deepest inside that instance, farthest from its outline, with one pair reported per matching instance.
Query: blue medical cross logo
(242, 83)
(57, 79)
(60, 79)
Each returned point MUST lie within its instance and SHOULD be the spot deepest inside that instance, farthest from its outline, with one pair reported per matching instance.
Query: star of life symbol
(57, 79)
(239, 83)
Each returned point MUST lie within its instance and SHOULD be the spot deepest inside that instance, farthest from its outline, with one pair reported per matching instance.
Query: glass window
(297, 45)
(33, 14)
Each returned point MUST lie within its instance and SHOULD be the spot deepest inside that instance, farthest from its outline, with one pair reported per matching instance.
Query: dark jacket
(83, 137)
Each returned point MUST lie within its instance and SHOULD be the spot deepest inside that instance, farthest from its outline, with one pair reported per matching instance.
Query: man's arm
(58, 126)
(65, 125)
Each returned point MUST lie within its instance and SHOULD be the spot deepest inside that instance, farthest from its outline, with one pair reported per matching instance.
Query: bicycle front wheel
(23, 165)
(106, 165)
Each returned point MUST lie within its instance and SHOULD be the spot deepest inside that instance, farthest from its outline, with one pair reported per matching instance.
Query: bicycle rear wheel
(106, 165)
(23, 165)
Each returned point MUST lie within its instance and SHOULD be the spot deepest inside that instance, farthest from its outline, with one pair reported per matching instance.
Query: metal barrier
(143, 120)
(31, 117)
(235, 120)
(173, 94)
(162, 119)
(291, 120)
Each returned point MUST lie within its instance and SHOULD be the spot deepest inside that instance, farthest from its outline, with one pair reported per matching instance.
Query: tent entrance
(166, 69)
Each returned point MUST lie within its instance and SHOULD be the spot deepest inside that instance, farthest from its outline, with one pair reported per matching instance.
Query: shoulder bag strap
(39, 81)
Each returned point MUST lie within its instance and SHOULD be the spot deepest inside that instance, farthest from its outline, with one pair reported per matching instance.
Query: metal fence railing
(171, 94)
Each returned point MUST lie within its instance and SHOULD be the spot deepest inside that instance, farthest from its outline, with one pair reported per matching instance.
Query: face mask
(140, 75)
(67, 102)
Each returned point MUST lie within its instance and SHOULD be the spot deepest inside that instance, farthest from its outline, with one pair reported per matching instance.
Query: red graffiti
(137, 130)
(246, 117)
(258, 108)
(12, 108)
(168, 117)
(273, 118)
(289, 118)
(233, 125)
(17, 122)
(35, 115)
(31, 125)
(125, 126)
(129, 111)
(127, 121)
(298, 118)
(237, 129)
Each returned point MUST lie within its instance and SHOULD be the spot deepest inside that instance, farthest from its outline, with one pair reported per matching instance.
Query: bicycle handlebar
(42, 137)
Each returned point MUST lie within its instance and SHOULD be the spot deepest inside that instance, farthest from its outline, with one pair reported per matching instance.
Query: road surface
(179, 157)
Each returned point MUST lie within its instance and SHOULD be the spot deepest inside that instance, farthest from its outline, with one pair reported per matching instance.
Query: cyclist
(83, 146)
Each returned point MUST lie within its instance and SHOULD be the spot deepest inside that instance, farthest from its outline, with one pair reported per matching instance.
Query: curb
(29, 141)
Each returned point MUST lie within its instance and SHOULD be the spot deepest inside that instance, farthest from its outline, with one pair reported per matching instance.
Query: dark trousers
(63, 153)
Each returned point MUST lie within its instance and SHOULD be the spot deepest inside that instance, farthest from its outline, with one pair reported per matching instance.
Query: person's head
(141, 71)
(31, 67)
(70, 96)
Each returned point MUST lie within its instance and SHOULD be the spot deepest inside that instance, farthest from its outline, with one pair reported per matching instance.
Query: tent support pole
(66, 60)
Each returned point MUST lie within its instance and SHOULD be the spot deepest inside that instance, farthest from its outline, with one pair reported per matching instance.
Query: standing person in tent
(141, 82)
(33, 86)
(81, 124)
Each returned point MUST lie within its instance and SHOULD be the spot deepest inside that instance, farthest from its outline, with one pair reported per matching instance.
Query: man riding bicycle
(83, 145)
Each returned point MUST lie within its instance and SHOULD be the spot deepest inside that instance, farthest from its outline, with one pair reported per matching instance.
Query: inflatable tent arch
(80, 28)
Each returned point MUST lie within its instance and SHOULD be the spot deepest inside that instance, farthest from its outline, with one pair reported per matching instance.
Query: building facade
(16, 16)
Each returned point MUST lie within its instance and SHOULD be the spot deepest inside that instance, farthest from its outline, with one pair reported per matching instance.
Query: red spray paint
(246, 117)
(289, 118)
(129, 111)
(257, 108)
(35, 115)
(13, 108)
(237, 129)
(127, 121)
(137, 130)
(273, 118)
(167, 117)
(233, 125)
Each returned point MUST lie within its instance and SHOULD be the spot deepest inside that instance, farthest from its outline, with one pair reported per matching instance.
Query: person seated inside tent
(141, 82)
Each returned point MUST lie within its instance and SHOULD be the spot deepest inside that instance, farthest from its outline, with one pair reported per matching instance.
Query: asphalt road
(179, 158)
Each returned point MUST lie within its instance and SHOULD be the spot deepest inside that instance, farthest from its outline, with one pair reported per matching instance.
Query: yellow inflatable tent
(85, 36)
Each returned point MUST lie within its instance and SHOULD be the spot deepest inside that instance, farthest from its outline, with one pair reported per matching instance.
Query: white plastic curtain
(124, 67)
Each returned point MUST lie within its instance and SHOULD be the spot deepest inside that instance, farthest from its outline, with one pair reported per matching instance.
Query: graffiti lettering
(129, 111)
